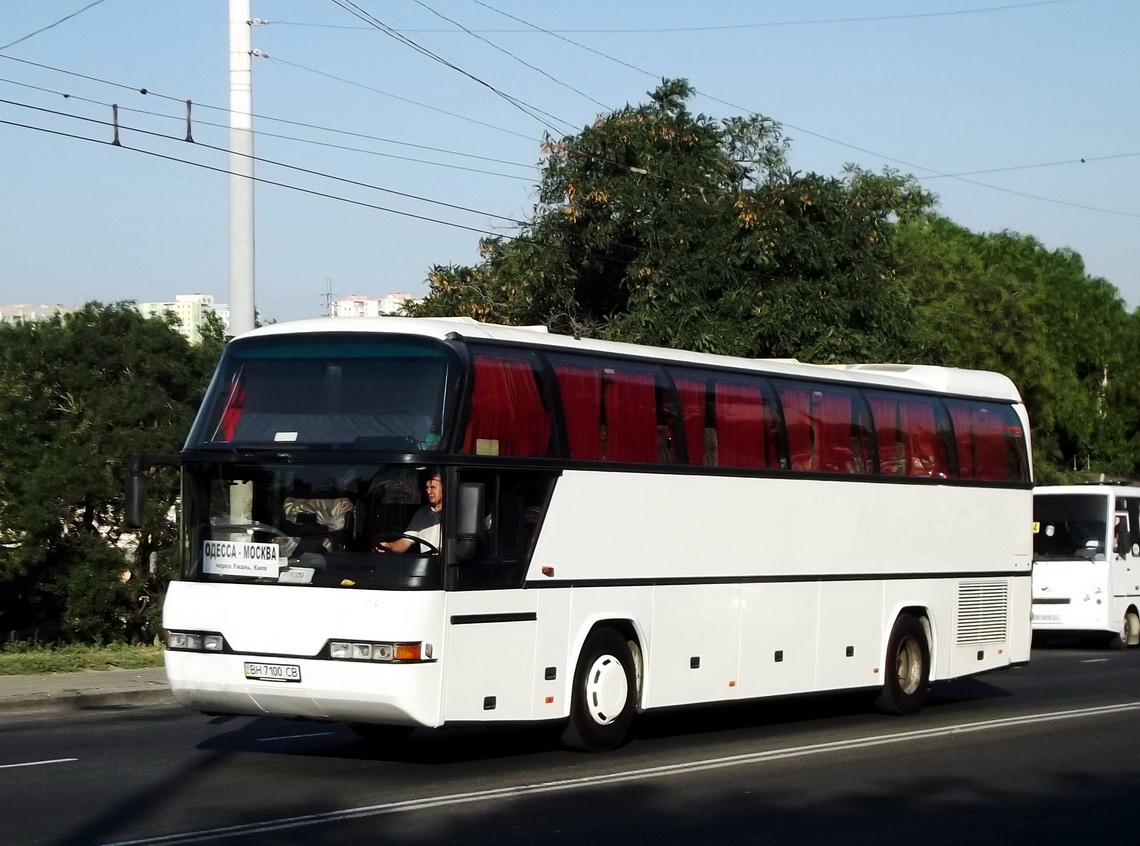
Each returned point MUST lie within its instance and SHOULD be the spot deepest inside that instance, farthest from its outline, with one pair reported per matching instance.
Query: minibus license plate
(272, 672)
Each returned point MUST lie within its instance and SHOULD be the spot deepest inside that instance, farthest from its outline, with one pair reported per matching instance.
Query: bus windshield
(324, 525)
(1070, 526)
(344, 390)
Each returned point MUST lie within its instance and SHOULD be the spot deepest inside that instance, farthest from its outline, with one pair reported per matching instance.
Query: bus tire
(378, 735)
(906, 669)
(604, 696)
(1133, 622)
(1120, 638)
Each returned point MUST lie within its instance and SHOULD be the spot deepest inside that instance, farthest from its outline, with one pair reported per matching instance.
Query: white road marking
(619, 777)
(1093, 660)
(294, 736)
(38, 763)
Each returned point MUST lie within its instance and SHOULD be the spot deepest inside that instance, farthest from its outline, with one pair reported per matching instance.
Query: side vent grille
(982, 612)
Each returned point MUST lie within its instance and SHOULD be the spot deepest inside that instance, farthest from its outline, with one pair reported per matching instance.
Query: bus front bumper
(350, 691)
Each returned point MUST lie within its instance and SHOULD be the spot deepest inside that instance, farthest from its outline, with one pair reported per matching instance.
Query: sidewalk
(61, 692)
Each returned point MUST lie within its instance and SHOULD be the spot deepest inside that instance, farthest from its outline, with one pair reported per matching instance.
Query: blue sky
(1010, 96)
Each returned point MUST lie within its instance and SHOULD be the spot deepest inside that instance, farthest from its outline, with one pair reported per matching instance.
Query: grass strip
(18, 659)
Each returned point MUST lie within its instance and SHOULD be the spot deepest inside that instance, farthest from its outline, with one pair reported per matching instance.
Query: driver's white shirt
(425, 524)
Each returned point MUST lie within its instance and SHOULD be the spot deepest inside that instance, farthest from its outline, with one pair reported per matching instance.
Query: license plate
(272, 672)
(1046, 618)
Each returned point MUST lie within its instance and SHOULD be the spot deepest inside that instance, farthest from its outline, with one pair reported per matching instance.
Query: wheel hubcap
(607, 690)
(909, 665)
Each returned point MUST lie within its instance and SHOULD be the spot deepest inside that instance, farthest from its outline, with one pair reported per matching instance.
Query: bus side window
(509, 414)
(515, 503)
(989, 441)
(1132, 511)
(827, 429)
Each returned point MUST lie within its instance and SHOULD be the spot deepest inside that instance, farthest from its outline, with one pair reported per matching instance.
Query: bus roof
(1120, 488)
(948, 380)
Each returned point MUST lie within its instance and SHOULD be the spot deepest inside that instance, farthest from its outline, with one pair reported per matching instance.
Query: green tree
(78, 395)
(1003, 302)
(659, 226)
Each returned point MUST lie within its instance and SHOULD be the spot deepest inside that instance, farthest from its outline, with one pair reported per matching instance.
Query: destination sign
(241, 558)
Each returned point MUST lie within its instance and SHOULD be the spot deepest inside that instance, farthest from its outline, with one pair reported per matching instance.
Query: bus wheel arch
(906, 664)
(605, 689)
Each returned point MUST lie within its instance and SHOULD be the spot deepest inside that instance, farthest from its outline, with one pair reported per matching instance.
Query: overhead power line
(279, 60)
(310, 141)
(526, 108)
(182, 101)
(721, 27)
(934, 171)
(513, 56)
(327, 195)
(254, 178)
(50, 26)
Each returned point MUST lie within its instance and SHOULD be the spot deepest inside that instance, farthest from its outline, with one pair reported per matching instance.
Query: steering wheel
(432, 549)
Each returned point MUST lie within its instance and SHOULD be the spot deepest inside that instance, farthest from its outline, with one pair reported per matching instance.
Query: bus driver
(425, 522)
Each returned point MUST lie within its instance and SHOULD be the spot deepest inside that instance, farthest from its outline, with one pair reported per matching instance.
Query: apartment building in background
(190, 309)
(20, 313)
(358, 305)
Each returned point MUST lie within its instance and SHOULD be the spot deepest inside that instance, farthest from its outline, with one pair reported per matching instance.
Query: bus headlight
(394, 653)
(195, 641)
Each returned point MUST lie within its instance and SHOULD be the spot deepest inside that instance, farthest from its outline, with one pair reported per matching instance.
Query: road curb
(50, 694)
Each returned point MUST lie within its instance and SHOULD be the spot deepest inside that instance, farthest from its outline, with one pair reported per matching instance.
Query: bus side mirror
(469, 524)
(135, 494)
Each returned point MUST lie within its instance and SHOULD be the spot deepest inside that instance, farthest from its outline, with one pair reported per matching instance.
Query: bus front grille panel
(983, 612)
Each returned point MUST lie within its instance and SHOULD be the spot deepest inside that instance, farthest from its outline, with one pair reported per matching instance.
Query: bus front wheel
(907, 668)
(604, 696)
(1129, 633)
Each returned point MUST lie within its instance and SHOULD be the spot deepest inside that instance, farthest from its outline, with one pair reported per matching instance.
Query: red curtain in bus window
(796, 401)
(231, 414)
(839, 449)
(581, 388)
(985, 448)
(925, 450)
(631, 416)
(740, 425)
(692, 394)
(507, 415)
(885, 411)
(962, 418)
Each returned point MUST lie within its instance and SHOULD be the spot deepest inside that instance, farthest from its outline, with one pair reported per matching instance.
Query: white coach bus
(607, 528)
(1086, 561)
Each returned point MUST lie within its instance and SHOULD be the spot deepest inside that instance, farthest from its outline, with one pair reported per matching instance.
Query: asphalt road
(1047, 753)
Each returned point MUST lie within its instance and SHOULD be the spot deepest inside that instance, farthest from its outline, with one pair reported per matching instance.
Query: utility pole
(242, 302)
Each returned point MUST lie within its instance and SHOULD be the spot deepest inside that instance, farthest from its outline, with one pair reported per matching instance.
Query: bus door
(492, 622)
(1126, 548)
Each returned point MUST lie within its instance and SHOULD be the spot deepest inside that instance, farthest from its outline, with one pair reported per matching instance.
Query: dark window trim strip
(748, 580)
(1051, 600)
(517, 617)
(269, 456)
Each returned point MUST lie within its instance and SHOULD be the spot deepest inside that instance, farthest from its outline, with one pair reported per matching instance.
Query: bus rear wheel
(604, 696)
(907, 668)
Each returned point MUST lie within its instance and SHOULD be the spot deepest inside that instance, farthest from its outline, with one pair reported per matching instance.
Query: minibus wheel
(1120, 638)
(906, 669)
(604, 695)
